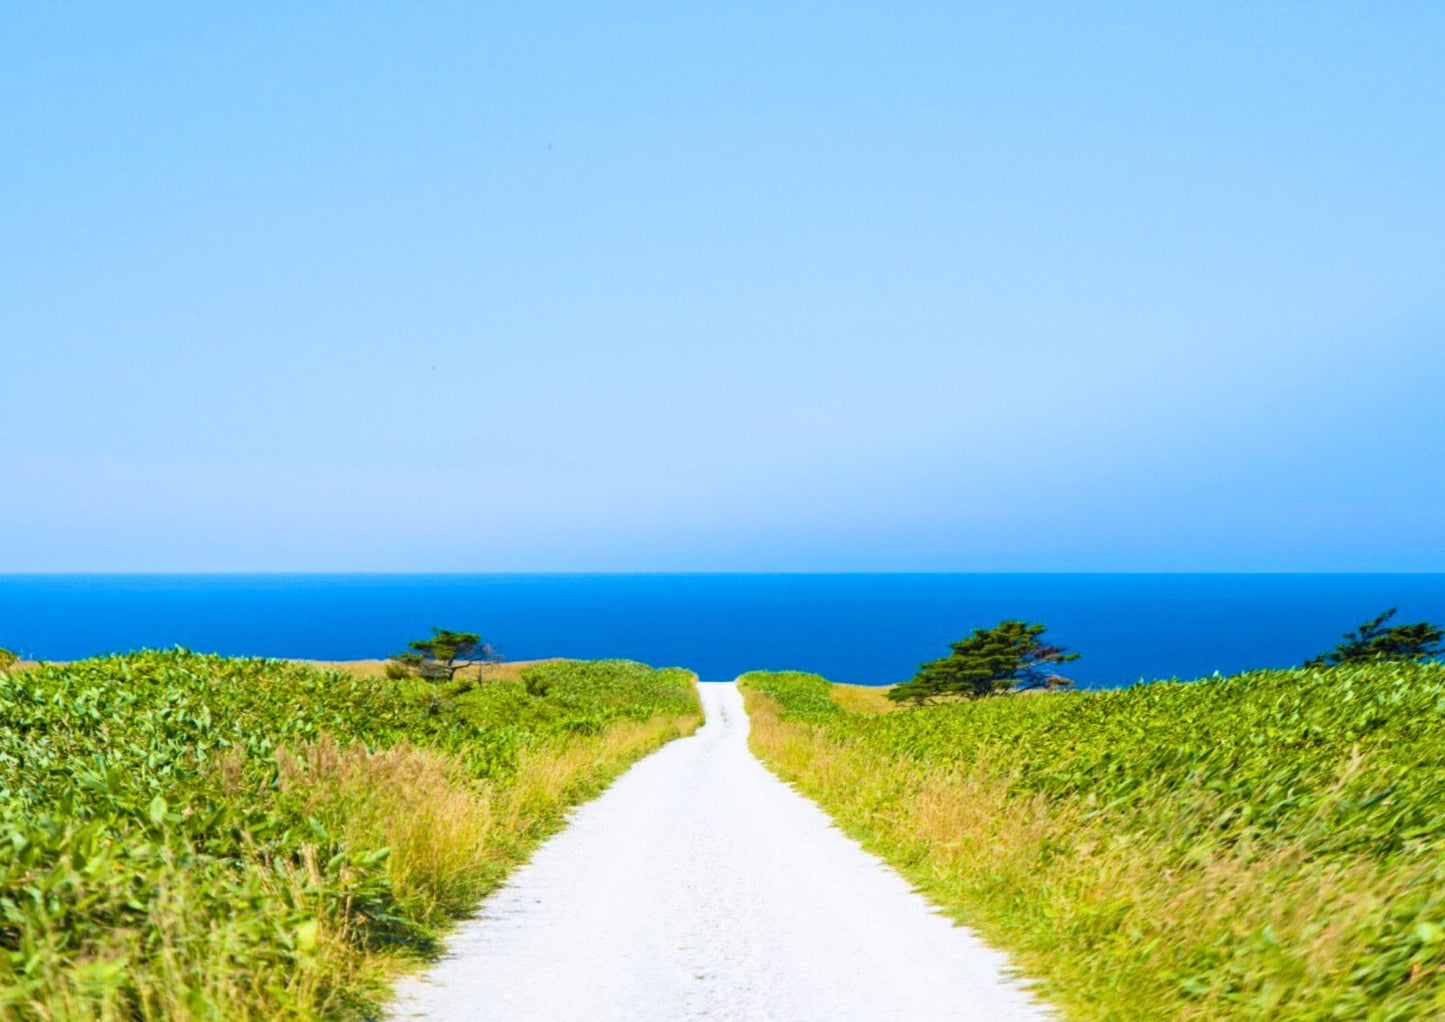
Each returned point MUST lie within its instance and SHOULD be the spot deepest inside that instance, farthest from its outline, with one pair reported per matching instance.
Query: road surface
(699, 886)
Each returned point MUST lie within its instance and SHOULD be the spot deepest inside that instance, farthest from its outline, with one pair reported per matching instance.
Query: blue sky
(761, 287)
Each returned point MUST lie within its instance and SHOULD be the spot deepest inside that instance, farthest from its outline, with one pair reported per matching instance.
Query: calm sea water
(858, 628)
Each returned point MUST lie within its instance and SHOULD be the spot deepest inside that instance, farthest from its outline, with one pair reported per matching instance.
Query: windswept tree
(1375, 641)
(8, 660)
(992, 661)
(443, 655)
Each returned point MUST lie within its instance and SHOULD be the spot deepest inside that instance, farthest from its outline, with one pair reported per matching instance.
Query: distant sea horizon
(866, 628)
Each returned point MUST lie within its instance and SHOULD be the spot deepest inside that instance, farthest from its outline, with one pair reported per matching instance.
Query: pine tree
(990, 661)
(1373, 641)
(443, 655)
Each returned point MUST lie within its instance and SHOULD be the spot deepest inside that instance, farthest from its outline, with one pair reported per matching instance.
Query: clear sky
(722, 286)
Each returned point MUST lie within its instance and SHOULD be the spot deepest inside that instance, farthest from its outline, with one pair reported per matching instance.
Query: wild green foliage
(178, 834)
(442, 656)
(1375, 641)
(1007, 658)
(1269, 845)
(8, 660)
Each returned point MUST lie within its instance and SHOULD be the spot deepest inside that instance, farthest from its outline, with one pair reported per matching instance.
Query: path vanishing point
(699, 886)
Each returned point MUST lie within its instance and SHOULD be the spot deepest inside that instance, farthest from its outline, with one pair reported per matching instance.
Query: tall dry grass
(419, 804)
(453, 839)
(863, 698)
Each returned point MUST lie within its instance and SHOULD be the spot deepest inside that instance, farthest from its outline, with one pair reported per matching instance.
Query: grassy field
(1264, 846)
(191, 837)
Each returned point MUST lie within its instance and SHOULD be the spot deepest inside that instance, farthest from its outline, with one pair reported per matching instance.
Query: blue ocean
(865, 628)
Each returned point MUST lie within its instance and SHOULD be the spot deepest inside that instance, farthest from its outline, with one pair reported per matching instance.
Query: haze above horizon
(616, 288)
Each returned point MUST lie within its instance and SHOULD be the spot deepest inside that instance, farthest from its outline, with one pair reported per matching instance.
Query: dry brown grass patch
(862, 698)
(510, 670)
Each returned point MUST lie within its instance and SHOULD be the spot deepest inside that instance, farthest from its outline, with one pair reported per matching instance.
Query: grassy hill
(192, 837)
(1270, 845)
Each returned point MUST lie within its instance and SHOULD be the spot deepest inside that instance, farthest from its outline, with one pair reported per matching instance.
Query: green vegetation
(992, 661)
(1374, 641)
(442, 656)
(191, 837)
(1267, 846)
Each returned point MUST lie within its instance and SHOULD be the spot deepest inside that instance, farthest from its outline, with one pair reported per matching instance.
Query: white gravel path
(701, 887)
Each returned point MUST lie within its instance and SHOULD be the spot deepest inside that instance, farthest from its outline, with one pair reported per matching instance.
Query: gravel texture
(699, 886)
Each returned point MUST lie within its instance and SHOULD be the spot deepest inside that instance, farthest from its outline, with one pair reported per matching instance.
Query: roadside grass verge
(191, 837)
(1265, 846)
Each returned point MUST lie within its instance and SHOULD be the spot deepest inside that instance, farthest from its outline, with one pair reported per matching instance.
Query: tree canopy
(1007, 658)
(1374, 641)
(444, 654)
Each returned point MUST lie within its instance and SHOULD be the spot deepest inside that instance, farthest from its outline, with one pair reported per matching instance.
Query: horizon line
(546, 573)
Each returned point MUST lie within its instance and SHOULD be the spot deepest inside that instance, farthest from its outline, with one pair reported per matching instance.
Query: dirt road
(701, 887)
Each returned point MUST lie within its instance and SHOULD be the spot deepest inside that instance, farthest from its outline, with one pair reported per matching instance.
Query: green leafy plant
(1007, 658)
(188, 837)
(1267, 845)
